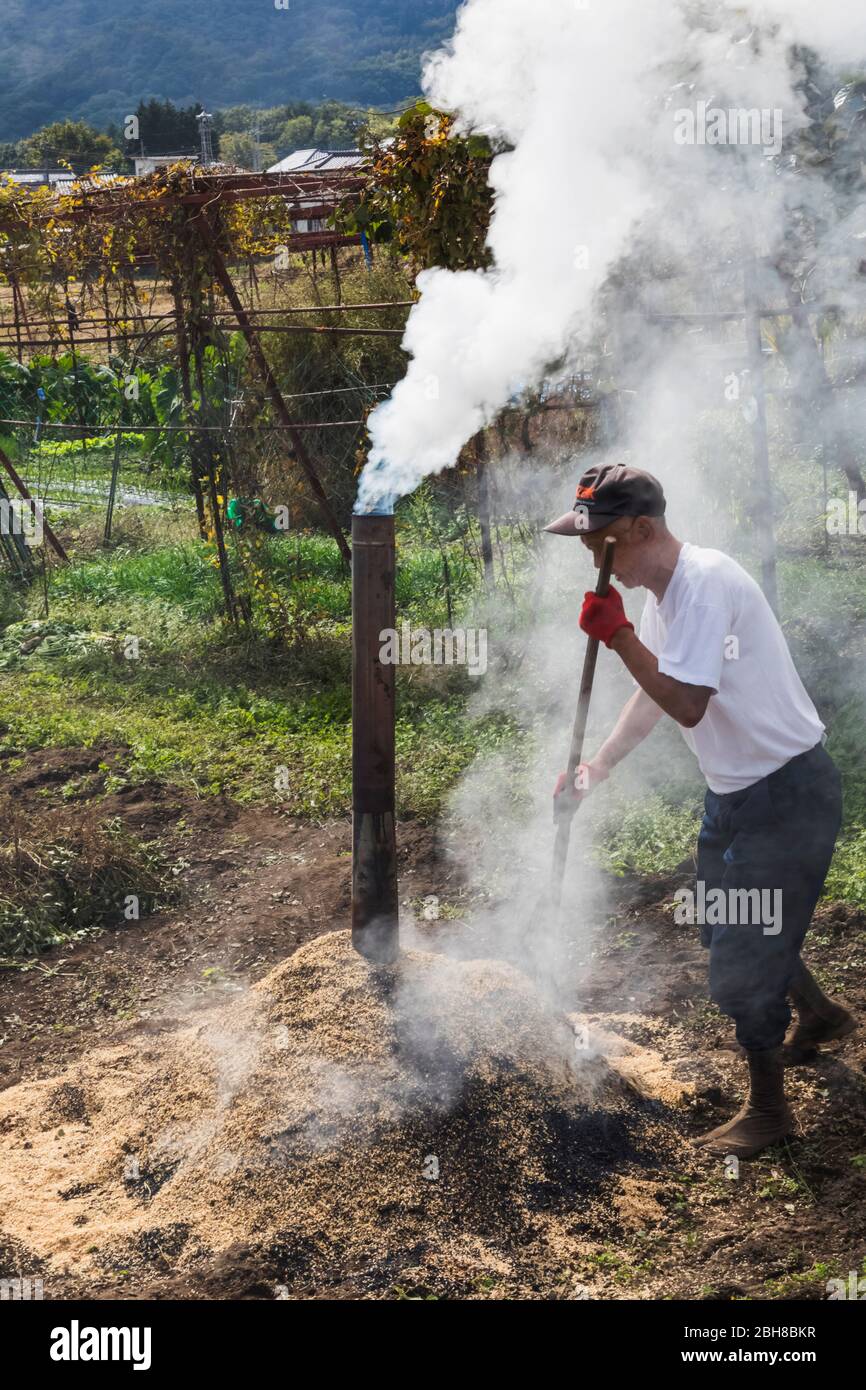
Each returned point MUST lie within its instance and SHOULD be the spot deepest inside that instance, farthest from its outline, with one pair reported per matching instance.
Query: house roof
(164, 158)
(318, 161)
(36, 176)
(61, 180)
(80, 182)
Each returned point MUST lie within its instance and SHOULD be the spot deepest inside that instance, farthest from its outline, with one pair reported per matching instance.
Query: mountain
(95, 59)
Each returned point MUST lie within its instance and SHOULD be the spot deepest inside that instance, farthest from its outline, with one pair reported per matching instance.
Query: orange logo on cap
(586, 492)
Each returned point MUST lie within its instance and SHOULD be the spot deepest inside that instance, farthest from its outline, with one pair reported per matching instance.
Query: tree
(300, 126)
(297, 133)
(237, 147)
(93, 60)
(164, 128)
(336, 126)
(428, 190)
(72, 142)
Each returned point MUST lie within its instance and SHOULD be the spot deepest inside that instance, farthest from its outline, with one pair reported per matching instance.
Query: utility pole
(205, 128)
(255, 133)
(762, 506)
(763, 503)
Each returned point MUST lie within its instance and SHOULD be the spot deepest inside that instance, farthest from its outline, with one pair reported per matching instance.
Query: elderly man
(711, 655)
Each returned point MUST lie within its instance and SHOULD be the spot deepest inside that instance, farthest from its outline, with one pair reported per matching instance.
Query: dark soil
(253, 884)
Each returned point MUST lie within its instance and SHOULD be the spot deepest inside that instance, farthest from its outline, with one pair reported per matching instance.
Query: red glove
(566, 799)
(603, 617)
(583, 782)
(576, 791)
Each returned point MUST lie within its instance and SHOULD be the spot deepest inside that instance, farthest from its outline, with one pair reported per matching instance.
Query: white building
(149, 163)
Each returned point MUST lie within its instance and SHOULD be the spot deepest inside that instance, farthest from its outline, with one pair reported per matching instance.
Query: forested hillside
(96, 59)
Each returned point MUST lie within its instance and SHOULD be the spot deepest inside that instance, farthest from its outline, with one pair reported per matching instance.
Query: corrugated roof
(89, 181)
(35, 176)
(318, 161)
(60, 178)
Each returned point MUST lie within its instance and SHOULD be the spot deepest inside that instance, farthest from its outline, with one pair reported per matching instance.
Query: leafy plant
(62, 878)
(427, 189)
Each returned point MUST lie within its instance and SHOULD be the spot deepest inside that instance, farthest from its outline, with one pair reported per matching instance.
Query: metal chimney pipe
(375, 916)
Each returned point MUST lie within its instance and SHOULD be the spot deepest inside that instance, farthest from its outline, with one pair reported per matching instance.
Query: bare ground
(254, 885)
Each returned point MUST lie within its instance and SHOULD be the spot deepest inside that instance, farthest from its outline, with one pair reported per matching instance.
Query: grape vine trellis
(75, 257)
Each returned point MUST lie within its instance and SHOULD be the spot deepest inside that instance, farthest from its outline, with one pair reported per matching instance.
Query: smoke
(232, 1057)
(604, 223)
(581, 99)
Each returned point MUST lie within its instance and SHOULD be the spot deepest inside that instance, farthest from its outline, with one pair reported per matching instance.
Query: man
(712, 656)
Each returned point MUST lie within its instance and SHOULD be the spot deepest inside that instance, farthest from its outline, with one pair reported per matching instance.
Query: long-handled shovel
(566, 805)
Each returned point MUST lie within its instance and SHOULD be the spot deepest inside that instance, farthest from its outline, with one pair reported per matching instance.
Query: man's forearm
(638, 719)
(685, 703)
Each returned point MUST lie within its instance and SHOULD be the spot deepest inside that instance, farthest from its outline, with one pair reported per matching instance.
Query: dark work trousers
(777, 834)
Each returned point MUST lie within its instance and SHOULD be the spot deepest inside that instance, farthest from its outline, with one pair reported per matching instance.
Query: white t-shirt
(715, 628)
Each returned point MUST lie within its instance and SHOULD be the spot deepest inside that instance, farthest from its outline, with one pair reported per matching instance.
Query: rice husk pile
(337, 1117)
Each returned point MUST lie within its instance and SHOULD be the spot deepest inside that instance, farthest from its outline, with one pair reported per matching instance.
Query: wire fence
(72, 463)
(87, 471)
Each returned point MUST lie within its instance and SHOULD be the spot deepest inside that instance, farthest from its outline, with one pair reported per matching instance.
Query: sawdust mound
(337, 1117)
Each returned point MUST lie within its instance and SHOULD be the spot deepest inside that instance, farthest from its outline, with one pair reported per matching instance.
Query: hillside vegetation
(95, 60)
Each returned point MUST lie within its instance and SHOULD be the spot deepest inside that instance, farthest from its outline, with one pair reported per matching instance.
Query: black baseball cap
(607, 492)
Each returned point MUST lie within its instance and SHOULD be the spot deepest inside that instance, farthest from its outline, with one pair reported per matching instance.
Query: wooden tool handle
(589, 661)
(564, 813)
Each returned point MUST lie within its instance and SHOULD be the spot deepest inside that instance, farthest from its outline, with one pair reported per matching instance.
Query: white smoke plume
(580, 97)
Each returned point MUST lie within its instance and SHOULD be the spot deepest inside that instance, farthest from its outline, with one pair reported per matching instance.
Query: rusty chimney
(375, 922)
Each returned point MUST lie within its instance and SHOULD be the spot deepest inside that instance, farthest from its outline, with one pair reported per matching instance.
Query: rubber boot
(764, 1119)
(819, 1020)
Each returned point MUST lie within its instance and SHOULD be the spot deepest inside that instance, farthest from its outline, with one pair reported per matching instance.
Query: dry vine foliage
(62, 251)
(101, 232)
(428, 189)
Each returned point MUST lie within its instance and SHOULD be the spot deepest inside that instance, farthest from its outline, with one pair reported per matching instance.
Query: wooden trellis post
(186, 390)
(763, 509)
(6, 463)
(112, 488)
(213, 490)
(270, 382)
(12, 544)
(484, 508)
(335, 267)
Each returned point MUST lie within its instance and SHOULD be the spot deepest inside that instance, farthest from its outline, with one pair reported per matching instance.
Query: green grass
(234, 739)
(183, 574)
(654, 836)
(61, 879)
(847, 876)
(216, 710)
(64, 471)
(650, 836)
